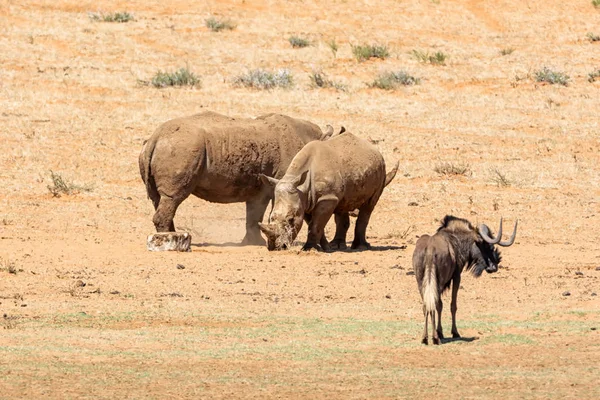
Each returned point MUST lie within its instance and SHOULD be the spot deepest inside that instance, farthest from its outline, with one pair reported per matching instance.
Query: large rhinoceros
(218, 158)
(336, 176)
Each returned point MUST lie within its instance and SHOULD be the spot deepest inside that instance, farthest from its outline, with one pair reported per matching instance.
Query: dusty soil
(87, 311)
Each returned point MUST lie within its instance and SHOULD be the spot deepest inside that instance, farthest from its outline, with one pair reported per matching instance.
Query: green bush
(262, 79)
(552, 77)
(392, 80)
(181, 77)
(365, 52)
(216, 26)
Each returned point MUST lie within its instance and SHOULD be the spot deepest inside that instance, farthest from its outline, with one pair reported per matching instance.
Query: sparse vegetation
(507, 51)
(319, 79)
(592, 76)
(392, 80)
(437, 58)
(62, 186)
(400, 234)
(366, 52)
(596, 3)
(111, 17)
(500, 179)
(216, 26)
(333, 46)
(552, 77)
(262, 79)
(449, 168)
(593, 37)
(181, 77)
(9, 266)
(298, 42)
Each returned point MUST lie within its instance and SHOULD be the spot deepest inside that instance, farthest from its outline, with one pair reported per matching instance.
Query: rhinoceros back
(220, 157)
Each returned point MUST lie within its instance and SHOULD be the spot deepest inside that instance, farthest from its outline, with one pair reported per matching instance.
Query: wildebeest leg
(439, 307)
(436, 339)
(453, 307)
(425, 339)
(360, 230)
(255, 211)
(342, 223)
(165, 212)
(316, 228)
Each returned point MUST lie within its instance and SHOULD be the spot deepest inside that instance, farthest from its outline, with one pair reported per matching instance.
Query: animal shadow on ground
(459, 339)
(373, 248)
(226, 244)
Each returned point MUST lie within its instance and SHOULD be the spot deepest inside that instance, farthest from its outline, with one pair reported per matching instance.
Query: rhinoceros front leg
(342, 223)
(316, 228)
(255, 211)
(165, 212)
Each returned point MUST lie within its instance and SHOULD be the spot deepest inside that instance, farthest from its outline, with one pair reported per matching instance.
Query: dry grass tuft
(507, 51)
(500, 179)
(393, 80)
(592, 76)
(319, 79)
(437, 58)
(263, 79)
(552, 77)
(62, 186)
(298, 42)
(448, 168)
(181, 77)
(111, 17)
(216, 26)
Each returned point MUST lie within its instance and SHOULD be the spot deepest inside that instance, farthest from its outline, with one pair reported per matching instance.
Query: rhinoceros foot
(360, 246)
(337, 244)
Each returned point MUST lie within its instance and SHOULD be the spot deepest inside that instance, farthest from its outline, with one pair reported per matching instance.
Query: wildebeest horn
(512, 238)
(484, 231)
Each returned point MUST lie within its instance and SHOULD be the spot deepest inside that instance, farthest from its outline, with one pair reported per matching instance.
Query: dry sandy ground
(87, 311)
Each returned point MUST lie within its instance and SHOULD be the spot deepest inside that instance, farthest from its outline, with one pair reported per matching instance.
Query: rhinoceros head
(287, 214)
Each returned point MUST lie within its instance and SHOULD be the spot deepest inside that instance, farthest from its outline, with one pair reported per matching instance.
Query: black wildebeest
(439, 260)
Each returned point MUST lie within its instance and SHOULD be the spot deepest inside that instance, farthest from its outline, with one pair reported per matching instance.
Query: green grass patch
(552, 77)
(333, 46)
(263, 79)
(111, 17)
(216, 25)
(365, 52)
(393, 79)
(181, 77)
(298, 42)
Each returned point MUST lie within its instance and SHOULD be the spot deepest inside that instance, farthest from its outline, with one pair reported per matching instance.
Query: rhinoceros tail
(390, 175)
(145, 161)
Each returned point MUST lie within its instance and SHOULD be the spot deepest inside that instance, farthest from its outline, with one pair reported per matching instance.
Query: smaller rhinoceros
(336, 176)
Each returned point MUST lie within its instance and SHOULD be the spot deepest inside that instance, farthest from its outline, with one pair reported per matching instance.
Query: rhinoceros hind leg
(360, 230)
(165, 212)
(255, 211)
(342, 223)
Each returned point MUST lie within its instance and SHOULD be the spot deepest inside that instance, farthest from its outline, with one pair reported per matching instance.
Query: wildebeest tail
(430, 286)
(145, 160)
(390, 175)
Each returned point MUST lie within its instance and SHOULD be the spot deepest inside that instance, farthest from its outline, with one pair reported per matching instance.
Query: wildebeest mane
(451, 222)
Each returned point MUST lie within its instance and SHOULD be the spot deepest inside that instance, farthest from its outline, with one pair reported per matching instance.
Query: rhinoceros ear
(325, 135)
(267, 229)
(300, 179)
(267, 180)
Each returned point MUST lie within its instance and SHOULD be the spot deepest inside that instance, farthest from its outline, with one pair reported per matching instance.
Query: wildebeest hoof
(456, 335)
(436, 341)
(440, 335)
(338, 245)
(425, 341)
(361, 246)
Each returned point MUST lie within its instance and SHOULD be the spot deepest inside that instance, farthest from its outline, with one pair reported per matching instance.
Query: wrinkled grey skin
(218, 159)
(336, 176)
(439, 260)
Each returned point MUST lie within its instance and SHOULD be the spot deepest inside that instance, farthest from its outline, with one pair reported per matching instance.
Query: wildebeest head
(287, 215)
(484, 254)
